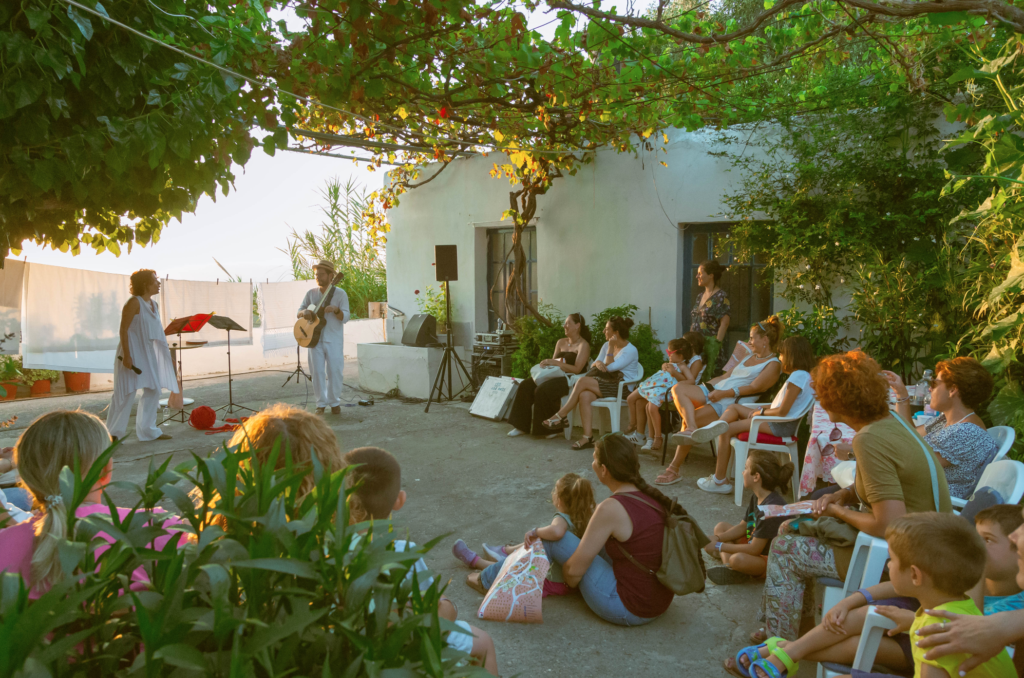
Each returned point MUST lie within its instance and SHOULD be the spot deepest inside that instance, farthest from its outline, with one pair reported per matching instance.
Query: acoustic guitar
(307, 332)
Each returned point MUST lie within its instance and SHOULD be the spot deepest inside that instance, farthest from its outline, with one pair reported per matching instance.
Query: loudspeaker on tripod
(446, 262)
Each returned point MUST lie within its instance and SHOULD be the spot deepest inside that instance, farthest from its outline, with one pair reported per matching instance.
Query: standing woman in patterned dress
(710, 312)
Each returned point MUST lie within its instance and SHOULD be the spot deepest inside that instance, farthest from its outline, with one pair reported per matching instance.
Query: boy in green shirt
(937, 558)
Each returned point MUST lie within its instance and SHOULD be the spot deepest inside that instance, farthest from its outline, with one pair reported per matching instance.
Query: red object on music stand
(186, 325)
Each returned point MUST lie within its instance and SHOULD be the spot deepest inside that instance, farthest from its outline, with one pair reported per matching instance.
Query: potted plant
(39, 380)
(10, 372)
(432, 303)
(76, 382)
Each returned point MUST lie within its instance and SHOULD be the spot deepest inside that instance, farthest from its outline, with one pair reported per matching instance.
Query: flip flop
(759, 636)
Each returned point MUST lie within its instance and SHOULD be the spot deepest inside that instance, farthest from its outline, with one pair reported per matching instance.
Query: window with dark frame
(499, 268)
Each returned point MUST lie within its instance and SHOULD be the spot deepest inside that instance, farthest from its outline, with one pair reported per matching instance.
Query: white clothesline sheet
(12, 277)
(279, 307)
(179, 298)
(69, 318)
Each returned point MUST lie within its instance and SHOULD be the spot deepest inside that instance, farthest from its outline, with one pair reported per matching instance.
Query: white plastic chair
(867, 649)
(613, 405)
(866, 567)
(1004, 437)
(740, 449)
(1005, 476)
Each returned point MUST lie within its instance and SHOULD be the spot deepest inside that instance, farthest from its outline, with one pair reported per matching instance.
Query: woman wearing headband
(534, 403)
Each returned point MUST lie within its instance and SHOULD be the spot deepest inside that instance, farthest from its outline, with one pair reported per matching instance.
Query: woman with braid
(631, 521)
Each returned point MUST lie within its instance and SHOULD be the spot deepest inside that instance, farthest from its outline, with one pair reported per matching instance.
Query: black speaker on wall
(446, 262)
(421, 331)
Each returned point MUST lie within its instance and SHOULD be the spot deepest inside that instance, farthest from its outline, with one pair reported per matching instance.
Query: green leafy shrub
(29, 376)
(819, 326)
(432, 303)
(536, 340)
(268, 585)
(641, 335)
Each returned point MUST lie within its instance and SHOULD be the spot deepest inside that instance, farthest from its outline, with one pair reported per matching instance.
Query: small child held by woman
(744, 547)
(573, 498)
(685, 366)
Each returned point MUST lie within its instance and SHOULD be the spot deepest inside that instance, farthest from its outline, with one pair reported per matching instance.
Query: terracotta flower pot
(41, 387)
(12, 390)
(76, 382)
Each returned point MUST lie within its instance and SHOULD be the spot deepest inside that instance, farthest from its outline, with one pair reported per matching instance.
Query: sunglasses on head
(835, 436)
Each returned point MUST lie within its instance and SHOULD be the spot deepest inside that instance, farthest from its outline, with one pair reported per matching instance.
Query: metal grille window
(750, 294)
(499, 268)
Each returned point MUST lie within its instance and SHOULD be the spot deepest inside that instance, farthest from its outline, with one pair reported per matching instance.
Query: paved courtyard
(466, 478)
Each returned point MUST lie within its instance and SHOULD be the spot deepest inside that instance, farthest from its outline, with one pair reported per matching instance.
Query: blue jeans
(598, 585)
(20, 497)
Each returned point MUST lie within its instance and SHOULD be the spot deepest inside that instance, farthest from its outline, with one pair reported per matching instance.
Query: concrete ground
(465, 477)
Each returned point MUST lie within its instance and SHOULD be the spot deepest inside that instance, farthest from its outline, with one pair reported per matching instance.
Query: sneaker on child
(637, 438)
(711, 484)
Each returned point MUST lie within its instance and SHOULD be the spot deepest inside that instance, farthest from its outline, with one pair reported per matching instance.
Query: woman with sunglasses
(958, 436)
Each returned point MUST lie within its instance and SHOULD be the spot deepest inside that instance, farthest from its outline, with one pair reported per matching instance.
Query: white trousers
(145, 417)
(327, 365)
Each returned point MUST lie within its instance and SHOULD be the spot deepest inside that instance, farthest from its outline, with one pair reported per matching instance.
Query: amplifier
(499, 338)
(490, 366)
(489, 350)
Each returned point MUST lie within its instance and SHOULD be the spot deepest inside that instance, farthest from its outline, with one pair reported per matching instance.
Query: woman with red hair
(896, 474)
(959, 436)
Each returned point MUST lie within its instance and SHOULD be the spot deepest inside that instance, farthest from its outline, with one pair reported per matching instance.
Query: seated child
(744, 547)
(683, 367)
(797, 357)
(936, 559)
(50, 443)
(573, 498)
(378, 482)
(995, 525)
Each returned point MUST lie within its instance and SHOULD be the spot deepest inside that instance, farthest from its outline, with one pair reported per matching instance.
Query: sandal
(584, 443)
(759, 636)
(669, 477)
(473, 582)
(555, 422)
(752, 653)
(771, 670)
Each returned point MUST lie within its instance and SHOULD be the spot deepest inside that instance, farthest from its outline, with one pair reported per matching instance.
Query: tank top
(641, 592)
(742, 375)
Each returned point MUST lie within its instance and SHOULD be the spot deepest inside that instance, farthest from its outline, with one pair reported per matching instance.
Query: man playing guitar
(327, 358)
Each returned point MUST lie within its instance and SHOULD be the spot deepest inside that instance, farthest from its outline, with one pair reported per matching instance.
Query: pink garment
(815, 465)
(17, 546)
(555, 588)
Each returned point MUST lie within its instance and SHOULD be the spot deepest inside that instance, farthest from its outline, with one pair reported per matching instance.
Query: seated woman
(533, 404)
(682, 368)
(756, 373)
(631, 520)
(959, 436)
(894, 477)
(54, 441)
(617, 361)
(797, 357)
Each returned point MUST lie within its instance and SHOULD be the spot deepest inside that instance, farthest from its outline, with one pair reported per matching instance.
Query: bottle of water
(923, 392)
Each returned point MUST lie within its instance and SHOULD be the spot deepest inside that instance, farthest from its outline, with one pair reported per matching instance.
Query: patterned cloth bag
(516, 593)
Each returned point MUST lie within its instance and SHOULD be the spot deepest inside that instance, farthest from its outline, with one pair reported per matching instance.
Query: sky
(246, 229)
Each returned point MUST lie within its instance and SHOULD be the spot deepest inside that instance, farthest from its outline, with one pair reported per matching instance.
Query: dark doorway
(499, 268)
(750, 294)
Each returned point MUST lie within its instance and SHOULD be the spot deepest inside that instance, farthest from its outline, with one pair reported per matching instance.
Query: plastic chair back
(1006, 477)
(1004, 437)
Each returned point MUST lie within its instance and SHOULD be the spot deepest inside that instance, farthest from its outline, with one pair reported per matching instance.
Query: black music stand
(222, 322)
(186, 325)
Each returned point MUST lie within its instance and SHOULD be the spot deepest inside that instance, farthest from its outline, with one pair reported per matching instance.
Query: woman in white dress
(143, 360)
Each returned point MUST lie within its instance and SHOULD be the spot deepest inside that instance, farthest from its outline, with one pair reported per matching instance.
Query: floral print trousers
(793, 565)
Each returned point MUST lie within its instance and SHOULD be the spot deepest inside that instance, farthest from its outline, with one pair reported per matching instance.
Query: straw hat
(323, 263)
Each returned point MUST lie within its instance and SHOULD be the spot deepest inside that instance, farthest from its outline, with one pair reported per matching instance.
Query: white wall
(605, 237)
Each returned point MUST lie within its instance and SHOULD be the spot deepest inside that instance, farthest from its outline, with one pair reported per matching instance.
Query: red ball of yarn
(202, 418)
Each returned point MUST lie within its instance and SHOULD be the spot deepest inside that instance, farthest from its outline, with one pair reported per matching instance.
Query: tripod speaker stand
(298, 373)
(444, 370)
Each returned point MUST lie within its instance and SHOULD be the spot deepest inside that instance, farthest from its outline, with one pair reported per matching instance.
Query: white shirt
(334, 327)
(627, 361)
(802, 380)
